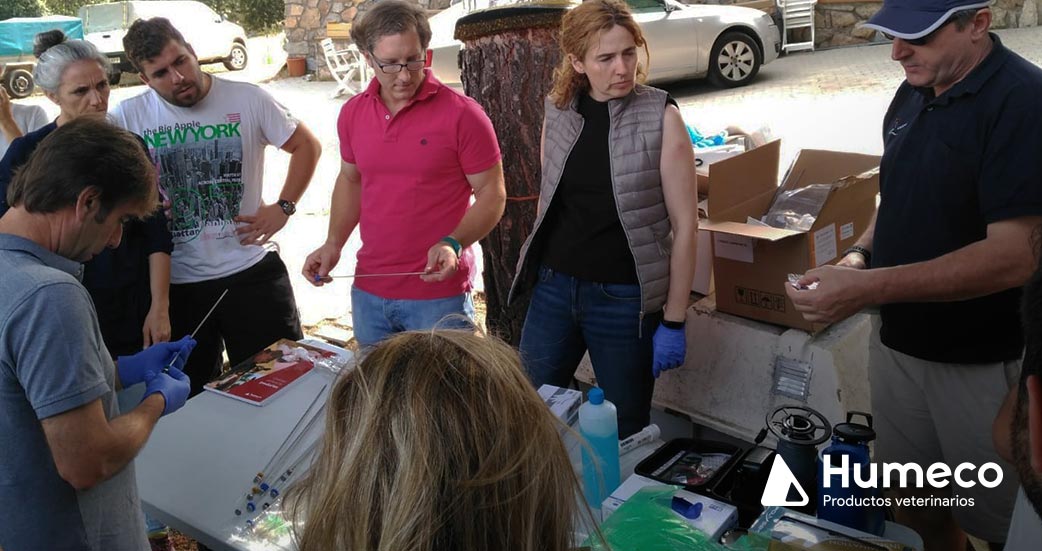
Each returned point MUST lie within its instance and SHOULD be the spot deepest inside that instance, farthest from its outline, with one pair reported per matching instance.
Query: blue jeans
(568, 317)
(377, 318)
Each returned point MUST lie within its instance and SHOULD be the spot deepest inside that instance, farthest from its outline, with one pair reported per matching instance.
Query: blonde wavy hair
(438, 442)
(580, 29)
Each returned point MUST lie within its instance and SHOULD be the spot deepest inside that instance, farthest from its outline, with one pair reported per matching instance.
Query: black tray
(720, 486)
(671, 451)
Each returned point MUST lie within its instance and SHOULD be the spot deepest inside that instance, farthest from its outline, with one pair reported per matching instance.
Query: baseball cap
(911, 19)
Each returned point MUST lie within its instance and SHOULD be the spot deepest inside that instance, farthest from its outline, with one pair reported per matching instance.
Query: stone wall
(837, 23)
(306, 21)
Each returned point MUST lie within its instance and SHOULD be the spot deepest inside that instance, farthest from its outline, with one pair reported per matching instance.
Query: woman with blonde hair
(437, 442)
(612, 254)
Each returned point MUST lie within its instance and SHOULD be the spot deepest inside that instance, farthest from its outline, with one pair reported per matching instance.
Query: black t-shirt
(952, 165)
(583, 235)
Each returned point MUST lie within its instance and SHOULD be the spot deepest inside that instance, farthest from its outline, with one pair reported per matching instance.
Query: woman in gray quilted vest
(612, 254)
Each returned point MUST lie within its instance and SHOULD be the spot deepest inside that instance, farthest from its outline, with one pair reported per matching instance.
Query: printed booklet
(278, 366)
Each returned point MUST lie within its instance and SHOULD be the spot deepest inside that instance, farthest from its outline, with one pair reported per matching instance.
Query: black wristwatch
(860, 250)
(288, 207)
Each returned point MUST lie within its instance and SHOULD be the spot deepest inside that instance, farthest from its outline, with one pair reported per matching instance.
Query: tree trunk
(507, 65)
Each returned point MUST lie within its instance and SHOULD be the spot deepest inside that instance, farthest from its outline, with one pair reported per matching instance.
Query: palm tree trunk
(507, 65)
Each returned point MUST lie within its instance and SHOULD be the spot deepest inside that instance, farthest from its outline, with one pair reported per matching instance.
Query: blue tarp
(17, 33)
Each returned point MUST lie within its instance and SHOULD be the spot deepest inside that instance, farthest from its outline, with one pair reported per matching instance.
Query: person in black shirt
(613, 247)
(946, 255)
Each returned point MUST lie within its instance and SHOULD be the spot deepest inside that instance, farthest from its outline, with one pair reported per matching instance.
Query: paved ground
(829, 99)
(832, 99)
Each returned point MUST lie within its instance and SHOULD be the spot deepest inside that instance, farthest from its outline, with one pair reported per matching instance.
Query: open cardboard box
(751, 263)
(705, 158)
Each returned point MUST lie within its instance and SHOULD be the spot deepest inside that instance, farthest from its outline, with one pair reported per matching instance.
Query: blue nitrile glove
(670, 346)
(135, 368)
(173, 385)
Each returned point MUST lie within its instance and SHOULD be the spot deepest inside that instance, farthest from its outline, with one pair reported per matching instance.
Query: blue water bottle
(599, 425)
(851, 505)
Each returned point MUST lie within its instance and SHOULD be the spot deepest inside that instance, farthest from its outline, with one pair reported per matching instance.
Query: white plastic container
(599, 425)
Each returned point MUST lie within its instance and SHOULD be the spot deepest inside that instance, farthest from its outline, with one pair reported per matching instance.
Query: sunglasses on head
(924, 40)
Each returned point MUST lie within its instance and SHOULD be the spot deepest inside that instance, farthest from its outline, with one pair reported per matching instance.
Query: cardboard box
(717, 517)
(704, 159)
(705, 156)
(703, 282)
(563, 402)
(750, 262)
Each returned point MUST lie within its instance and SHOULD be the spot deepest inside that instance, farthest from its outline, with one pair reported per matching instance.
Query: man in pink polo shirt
(413, 150)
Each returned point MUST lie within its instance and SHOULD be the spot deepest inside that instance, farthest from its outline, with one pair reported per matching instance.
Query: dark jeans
(258, 310)
(568, 317)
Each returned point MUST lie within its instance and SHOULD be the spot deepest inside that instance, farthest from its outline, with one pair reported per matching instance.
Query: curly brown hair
(146, 38)
(580, 29)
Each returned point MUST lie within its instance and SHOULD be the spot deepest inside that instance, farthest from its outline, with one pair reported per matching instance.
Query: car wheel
(734, 60)
(236, 60)
(19, 83)
(115, 76)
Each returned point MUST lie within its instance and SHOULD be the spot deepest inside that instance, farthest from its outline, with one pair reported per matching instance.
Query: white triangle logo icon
(776, 494)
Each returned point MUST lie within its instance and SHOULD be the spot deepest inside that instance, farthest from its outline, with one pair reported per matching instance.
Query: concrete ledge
(729, 381)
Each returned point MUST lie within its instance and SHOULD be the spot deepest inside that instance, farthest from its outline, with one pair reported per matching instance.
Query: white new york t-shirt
(210, 160)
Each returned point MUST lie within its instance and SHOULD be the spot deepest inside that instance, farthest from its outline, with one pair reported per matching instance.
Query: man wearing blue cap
(946, 256)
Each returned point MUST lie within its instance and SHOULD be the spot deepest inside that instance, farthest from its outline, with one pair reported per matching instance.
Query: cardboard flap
(815, 166)
(748, 230)
(734, 181)
(752, 207)
(853, 199)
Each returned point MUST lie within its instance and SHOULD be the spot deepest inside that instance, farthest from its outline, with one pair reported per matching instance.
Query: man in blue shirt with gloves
(66, 472)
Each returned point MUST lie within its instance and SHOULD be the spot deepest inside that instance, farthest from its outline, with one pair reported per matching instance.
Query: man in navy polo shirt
(948, 251)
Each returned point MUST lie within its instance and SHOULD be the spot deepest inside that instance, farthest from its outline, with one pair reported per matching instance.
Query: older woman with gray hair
(72, 74)
(130, 283)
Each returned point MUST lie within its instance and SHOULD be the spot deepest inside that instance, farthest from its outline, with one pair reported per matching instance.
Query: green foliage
(20, 8)
(67, 7)
(256, 16)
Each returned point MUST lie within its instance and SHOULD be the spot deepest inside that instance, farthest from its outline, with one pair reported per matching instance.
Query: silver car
(728, 44)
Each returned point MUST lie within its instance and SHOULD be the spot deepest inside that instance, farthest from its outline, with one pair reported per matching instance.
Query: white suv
(212, 37)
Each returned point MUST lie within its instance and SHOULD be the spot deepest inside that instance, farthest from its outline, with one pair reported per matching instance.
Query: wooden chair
(348, 68)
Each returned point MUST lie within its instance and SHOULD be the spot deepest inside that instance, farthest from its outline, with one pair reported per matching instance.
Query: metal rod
(197, 328)
(319, 278)
(207, 316)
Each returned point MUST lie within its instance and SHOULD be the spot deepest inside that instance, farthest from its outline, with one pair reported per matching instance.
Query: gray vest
(635, 139)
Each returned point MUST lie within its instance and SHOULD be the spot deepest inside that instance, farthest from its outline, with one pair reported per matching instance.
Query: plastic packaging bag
(700, 140)
(268, 531)
(646, 522)
(797, 209)
(334, 365)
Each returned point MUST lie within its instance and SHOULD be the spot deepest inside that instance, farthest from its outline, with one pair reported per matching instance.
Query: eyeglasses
(924, 40)
(393, 68)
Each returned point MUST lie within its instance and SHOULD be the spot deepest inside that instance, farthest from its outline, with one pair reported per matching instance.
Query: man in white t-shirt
(207, 136)
(17, 120)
